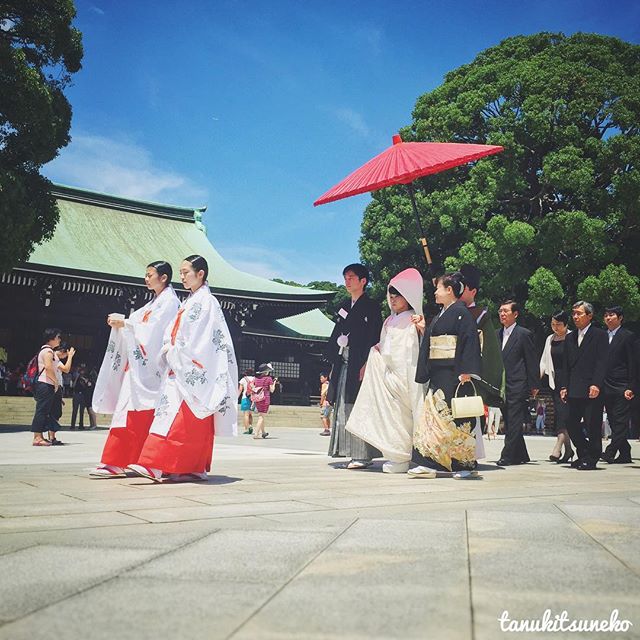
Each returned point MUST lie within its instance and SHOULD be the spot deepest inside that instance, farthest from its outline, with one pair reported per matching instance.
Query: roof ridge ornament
(197, 218)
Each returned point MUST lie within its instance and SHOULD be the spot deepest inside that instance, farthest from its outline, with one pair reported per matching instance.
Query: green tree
(39, 50)
(331, 308)
(559, 205)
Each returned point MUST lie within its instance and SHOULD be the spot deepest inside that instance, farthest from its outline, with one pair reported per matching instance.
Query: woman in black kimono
(449, 355)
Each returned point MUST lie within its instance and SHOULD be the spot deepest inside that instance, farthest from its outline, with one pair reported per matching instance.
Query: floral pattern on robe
(440, 438)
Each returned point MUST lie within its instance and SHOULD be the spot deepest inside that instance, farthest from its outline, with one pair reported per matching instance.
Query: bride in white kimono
(198, 394)
(131, 373)
(390, 402)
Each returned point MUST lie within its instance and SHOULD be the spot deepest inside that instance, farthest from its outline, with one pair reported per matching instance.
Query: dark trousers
(589, 447)
(44, 395)
(515, 411)
(77, 405)
(618, 413)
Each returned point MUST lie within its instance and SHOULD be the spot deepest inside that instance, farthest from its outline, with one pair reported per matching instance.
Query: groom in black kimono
(358, 326)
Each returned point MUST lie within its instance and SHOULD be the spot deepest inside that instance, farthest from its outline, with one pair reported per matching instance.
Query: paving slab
(45, 574)
(366, 567)
(66, 521)
(183, 514)
(524, 563)
(145, 609)
(240, 556)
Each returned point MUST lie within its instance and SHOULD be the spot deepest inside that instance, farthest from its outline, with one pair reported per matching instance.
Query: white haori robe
(202, 367)
(132, 371)
(389, 403)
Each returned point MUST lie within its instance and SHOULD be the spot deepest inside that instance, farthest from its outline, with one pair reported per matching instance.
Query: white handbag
(467, 406)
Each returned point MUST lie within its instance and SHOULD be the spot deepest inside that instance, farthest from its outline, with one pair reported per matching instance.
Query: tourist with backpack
(262, 386)
(66, 353)
(42, 376)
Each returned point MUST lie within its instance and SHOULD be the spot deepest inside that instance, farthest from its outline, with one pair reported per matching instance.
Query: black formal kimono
(361, 324)
(442, 373)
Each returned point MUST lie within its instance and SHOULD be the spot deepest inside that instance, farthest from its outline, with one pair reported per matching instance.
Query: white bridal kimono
(390, 402)
(132, 371)
(202, 366)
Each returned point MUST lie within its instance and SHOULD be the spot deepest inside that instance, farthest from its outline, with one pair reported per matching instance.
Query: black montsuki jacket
(363, 324)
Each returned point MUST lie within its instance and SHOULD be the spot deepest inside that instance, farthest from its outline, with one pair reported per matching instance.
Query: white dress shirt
(506, 332)
(582, 333)
(612, 332)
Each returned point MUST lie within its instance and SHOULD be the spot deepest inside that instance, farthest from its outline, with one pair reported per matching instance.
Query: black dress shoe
(568, 457)
(509, 463)
(576, 463)
(586, 465)
(622, 460)
(605, 458)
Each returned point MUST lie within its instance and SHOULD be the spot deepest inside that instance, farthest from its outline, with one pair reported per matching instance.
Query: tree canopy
(39, 50)
(556, 215)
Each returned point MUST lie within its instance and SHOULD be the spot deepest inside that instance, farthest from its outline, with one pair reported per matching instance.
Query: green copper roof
(308, 324)
(118, 237)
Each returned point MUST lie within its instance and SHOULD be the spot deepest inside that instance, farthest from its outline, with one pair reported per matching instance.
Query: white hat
(410, 285)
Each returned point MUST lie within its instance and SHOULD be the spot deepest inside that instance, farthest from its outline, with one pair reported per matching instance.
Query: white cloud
(97, 10)
(121, 167)
(353, 120)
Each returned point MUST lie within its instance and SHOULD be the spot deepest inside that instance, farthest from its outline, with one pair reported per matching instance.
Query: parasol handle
(427, 253)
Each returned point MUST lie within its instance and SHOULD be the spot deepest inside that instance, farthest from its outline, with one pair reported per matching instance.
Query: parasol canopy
(403, 162)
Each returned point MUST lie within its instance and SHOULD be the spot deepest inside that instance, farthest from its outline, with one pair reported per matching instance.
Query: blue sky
(255, 108)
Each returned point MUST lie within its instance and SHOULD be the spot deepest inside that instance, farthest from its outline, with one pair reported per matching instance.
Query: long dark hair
(163, 268)
(199, 264)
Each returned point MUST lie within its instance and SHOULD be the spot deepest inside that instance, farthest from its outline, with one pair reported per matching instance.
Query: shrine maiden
(131, 373)
(198, 393)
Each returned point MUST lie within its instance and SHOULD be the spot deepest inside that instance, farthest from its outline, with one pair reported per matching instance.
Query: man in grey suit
(522, 377)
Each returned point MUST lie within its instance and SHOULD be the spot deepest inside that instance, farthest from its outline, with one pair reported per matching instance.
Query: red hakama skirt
(124, 444)
(187, 448)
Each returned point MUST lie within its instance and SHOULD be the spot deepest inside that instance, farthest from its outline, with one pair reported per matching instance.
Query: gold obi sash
(443, 347)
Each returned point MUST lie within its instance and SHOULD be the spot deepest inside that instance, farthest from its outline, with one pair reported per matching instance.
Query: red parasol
(402, 163)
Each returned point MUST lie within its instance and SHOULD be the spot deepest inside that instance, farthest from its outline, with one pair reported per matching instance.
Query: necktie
(580, 337)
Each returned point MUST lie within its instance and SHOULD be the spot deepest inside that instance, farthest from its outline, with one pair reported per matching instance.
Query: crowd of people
(417, 394)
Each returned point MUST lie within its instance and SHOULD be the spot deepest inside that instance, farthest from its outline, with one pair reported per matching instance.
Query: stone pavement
(280, 544)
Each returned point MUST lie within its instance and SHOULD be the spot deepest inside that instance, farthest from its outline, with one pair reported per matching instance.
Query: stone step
(19, 411)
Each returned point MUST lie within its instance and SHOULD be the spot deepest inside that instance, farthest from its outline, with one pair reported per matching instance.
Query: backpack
(32, 373)
(257, 393)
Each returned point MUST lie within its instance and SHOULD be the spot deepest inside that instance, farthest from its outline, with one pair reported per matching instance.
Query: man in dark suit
(522, 377)
(620, 385)
(581, 382)
(358, 326)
